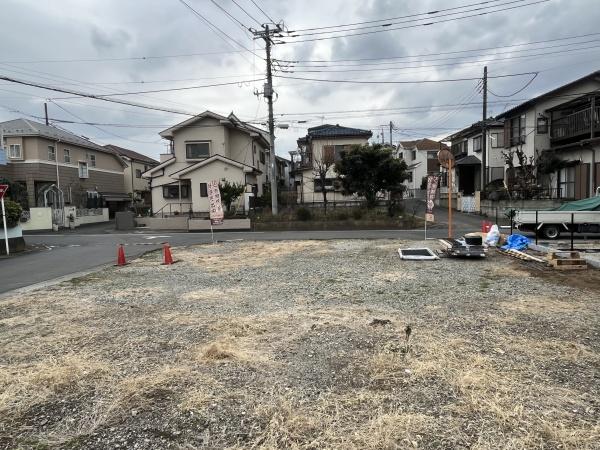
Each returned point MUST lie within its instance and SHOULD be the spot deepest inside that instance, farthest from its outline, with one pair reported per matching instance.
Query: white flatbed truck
(550, 224)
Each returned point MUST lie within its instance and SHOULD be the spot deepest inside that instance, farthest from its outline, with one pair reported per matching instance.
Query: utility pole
(46, 113)
(391, 141)
(266, 35)
(484, 133)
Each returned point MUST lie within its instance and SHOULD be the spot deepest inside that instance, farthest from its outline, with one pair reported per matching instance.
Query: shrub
(13, 213)
(303, 214)
(357, 214)
(342, 215)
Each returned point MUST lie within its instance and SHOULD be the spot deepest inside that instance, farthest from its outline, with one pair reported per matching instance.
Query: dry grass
(185, 365)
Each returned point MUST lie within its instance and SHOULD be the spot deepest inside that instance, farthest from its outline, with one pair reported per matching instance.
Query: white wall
(40, 219)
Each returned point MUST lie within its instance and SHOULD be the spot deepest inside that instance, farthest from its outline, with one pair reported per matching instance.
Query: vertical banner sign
(3, 189)
(432, 184)
(214, 200)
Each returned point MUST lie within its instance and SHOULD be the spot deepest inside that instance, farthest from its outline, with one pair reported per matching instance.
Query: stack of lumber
(566, 260)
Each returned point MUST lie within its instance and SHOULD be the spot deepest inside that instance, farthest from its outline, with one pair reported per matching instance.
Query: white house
(565, 122)
(204, 148)
(421, 157)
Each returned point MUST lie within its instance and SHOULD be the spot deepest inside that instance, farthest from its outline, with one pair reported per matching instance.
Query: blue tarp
(516, 242)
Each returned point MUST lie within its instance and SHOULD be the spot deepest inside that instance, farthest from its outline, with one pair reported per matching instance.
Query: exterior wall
(131, 182)
(207, 129)
(216, 170)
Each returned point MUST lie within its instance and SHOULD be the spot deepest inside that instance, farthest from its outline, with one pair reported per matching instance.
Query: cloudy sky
(97, 47)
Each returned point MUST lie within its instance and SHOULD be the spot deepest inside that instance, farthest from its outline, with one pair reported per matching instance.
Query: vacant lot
(273, 345)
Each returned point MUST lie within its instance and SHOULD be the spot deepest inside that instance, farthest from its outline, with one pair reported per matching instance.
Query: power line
(389, 24)
(381, 61)
(517, 91)
(458, 63)
(398, 82)
(224, 36)
(263, 11)
(323, 38)
(96, 97)
(246, 12)
(231, 16)
(102, 130)
(394, 18)
(128, 58)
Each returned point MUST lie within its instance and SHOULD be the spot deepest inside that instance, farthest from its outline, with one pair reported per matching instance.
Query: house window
(203, 190)
(197, 150)
(414, 155)
(410, 177)
(331, 184)
(401, 155)
(14, 151)
(517, 130)
(262, 157)
(172, 191)
(477, 144)
(83, 170)
(51, 153)
(340, 151)
(138, 173)
(431, 155)
(542, 125)
(497, 139)
(67, 155)
(92, 159)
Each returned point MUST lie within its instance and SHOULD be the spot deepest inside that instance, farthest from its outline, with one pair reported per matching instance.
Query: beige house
(58, 168)
(137, 187)
(204, 148)
(323, 143)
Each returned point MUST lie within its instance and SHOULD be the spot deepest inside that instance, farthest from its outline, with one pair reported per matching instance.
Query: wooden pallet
(566, 260)
(521, 255)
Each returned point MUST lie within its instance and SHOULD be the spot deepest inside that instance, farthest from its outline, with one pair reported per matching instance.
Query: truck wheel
(551, 231)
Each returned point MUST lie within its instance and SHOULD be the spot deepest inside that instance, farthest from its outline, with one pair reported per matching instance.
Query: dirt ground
(275, 345)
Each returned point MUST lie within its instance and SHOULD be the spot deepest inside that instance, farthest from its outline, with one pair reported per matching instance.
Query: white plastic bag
(493, 236)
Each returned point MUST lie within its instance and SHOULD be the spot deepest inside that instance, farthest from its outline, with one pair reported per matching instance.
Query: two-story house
(466, 147)
(137, 187)
(324, 143)
(421, 157)
(204, 148)
(566, 123)
(59, 168)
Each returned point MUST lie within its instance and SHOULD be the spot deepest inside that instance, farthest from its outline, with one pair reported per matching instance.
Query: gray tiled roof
(26, 127)
(337, 131)
(131, 154)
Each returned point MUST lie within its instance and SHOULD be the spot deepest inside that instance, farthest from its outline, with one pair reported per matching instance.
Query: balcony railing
(576, 124)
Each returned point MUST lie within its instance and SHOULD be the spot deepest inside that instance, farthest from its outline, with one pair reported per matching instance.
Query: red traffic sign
(3, 189)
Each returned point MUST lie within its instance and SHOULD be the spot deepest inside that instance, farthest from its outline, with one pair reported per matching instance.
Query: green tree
(13, 213)
(367, 170)
(230, 192)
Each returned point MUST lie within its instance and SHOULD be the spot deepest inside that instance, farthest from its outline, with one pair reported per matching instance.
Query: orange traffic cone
(121, 256)
(167, 257)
